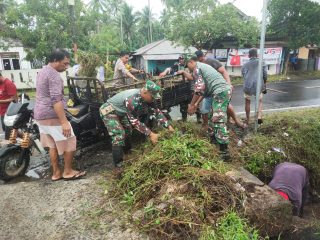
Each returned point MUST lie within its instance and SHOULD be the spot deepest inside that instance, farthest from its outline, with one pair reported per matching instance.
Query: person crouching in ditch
(121, 112)
(210, 83)
(291, 181)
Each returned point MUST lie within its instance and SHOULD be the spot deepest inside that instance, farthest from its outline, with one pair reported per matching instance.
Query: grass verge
(290, 136)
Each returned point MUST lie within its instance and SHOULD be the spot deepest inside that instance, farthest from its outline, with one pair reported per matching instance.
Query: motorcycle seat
(79, 110)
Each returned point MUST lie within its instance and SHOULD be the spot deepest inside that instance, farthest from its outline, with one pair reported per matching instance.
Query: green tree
(105, 42)
(44, 24)
(129, 21)
(143, 22)
(98, 6)
(206, 24)
(295, 21)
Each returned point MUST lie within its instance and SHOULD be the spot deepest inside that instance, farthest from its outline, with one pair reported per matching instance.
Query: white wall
(25, 79)
(22, 54)
(236, 71)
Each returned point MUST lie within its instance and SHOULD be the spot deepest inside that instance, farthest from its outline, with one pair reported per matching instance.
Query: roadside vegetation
(178, 189)
(289, 136)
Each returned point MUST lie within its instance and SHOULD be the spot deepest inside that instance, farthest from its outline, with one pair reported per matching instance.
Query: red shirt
(7, 90)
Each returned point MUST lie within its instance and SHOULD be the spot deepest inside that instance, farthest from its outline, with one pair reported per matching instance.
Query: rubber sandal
(58, 179)
(77, 176)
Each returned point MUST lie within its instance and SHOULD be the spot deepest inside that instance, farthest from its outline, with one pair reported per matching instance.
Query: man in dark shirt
(206, 104)
(180, 65)
(291, 181)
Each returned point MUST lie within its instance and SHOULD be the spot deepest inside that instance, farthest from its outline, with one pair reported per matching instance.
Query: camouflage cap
(189, 58)
(153, 88)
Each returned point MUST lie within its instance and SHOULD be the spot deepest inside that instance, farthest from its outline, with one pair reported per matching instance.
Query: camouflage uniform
(210, 83)
(119, 127)
(124, 112)
(218, 116)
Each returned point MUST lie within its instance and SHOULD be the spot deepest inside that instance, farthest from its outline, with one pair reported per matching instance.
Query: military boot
(213, 139)
(117, 155)
(128, 146)
(224, 152)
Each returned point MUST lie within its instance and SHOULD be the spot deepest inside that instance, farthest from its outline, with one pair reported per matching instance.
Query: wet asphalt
(280, 95)
(287, 94)
(283, 95)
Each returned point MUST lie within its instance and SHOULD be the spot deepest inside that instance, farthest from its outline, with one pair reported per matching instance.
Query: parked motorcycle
(25, 136)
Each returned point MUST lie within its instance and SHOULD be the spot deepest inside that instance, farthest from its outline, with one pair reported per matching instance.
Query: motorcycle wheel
(9, 166)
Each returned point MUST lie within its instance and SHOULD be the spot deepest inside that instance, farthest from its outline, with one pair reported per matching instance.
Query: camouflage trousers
(218, 117)
(119, 128)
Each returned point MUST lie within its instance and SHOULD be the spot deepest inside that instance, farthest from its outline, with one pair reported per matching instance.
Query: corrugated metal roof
(144, 49)
(163, 47)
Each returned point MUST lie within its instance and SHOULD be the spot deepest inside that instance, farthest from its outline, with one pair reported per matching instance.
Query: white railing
(26, 79)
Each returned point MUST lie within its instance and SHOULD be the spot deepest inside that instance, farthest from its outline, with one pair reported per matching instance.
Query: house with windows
(13, 55)
(157, 56)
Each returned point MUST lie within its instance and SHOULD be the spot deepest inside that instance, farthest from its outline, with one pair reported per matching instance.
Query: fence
(26, 79)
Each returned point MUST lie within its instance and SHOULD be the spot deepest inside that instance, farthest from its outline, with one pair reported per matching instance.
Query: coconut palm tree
(99, 6)
(144, 20)
(129, 20)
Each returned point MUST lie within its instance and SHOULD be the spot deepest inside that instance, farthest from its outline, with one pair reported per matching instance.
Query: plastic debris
(279, 150)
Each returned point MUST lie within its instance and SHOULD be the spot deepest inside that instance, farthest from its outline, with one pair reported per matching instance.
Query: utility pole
(150, 23)
(260, 70)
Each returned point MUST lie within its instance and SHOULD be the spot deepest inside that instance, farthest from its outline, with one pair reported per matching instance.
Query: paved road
(280, 95)
(284, 95)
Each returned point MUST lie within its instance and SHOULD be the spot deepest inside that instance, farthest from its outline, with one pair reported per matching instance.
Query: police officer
(121, 112)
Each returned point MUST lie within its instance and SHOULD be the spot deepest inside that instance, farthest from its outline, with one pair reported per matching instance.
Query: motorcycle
(25, 136)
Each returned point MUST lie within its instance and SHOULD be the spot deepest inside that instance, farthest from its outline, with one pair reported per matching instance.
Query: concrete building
(13, 56)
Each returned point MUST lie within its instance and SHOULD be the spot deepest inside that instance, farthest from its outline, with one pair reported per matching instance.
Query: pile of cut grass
(178, 190)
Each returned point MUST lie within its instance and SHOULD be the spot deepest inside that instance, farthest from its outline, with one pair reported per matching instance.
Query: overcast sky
(249, 7)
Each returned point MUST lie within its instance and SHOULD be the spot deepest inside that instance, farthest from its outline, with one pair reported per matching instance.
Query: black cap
(199, 53)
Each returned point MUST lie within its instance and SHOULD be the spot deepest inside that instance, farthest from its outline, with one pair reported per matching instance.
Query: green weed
(229, 227)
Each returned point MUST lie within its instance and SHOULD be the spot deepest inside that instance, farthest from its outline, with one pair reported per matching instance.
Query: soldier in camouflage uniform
(121, 112)
(209, 83)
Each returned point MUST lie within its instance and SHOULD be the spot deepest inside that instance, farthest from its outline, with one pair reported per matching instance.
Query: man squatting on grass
(210, 83)
(123, 110)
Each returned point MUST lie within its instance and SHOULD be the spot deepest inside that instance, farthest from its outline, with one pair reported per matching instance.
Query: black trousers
(5, 129)
(2, 123)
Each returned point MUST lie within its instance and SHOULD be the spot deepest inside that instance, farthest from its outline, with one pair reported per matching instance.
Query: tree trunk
(286, 66)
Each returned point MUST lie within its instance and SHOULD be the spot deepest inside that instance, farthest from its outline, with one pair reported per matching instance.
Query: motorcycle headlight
(10, 120)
